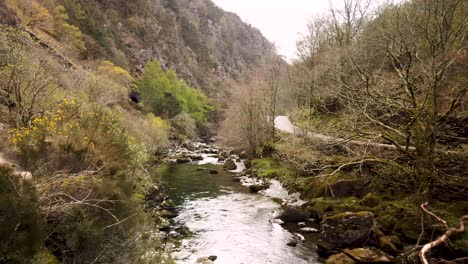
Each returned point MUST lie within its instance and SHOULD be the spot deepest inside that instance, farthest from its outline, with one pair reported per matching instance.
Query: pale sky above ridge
(281, 21)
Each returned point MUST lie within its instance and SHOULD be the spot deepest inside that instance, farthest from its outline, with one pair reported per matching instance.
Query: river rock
(163, 224)
(168, 204)
(293, 214)
(248, 164)
(211, 151)
(302, 224)
(188, 145)
(196, 157)
(182, 160)
(204, 260)
(308, 230)
(181, 255)
(166, 214)
(345, 230)
(360, 255)
(214, 172)
(174, 234)
(278, 221)
(230, 165)
(237, 178)
(243, 155)
(292, 243)
(213, 258)
(259, 187)
(224, 155)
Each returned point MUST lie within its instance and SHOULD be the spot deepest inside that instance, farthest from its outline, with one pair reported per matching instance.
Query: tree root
(450, 231)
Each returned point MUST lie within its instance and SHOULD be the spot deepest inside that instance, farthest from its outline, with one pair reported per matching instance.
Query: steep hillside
(200, 41)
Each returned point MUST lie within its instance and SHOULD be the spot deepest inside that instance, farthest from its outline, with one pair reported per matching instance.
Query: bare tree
(272, 91)
(405, 98)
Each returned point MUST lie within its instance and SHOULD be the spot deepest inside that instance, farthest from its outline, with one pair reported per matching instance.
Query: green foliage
(45, 257)
(67, 33)
(20, 221)
(150, 130)
(76, 137)
(167, 96)
(185, 124)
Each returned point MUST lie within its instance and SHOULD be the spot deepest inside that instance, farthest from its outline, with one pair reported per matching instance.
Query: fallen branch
(450, 231)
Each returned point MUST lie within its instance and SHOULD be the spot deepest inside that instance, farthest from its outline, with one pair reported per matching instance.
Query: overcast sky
(281, 21)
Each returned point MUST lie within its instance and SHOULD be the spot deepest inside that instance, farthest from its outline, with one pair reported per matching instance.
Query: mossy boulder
(360, 255)
(248, 164)
(336, 186)
(293, 214)
(340, 258)
(344, 230)
(230, 165)
(370, 200)
(255, 188)
(400, 217)
(323, 207)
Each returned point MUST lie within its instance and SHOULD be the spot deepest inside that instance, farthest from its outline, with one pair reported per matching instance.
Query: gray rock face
(346, 230)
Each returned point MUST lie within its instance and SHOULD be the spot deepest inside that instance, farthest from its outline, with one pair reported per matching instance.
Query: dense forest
(95, 96)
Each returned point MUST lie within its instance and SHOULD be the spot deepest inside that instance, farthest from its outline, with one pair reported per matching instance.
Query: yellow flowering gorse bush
(90, 136)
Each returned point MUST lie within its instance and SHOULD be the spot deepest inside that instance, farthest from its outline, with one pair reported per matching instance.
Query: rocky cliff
(203, 43)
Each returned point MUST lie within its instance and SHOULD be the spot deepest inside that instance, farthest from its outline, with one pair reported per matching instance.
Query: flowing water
(226, 220)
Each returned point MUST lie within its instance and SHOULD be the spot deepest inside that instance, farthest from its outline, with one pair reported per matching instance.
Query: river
(225, 220)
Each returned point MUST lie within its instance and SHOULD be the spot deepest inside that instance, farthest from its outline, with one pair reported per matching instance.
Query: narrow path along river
(225, 220)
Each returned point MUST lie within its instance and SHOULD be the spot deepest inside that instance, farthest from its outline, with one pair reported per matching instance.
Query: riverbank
(359, 220)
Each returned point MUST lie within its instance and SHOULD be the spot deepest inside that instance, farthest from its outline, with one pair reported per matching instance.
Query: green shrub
(20, 221)
(166, 95)
(185, 124)
(77, 137)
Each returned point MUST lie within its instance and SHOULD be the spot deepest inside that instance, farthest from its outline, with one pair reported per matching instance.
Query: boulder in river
(204, 260)
(214, 171)
(182, 160)
(230, 165)
(259, 187)
(196, 157)
(163, 224)
(243, 155)
(188, 145)
(292, 243)
(237, 178)
(167, 214)
(248, 164)
(293, 214)
(345, 230)
(360, 255)
(168, 204)
(308, 230)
